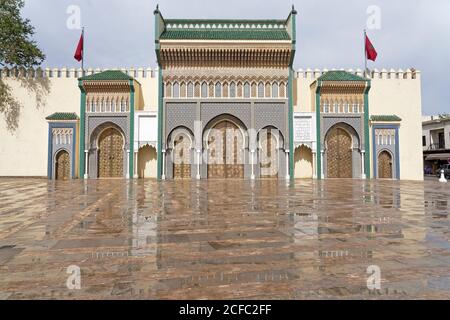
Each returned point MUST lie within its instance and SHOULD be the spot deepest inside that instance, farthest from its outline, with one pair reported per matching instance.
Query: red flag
(371, 53)
(79, 52)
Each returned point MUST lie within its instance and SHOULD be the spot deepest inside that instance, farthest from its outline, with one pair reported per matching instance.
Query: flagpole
(365, 54)
(82, 53)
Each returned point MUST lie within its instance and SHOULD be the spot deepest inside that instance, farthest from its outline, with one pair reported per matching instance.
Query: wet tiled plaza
(222, 239)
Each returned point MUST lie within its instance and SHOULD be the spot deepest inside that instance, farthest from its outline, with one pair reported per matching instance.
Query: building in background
(435, 143)
(224, 102)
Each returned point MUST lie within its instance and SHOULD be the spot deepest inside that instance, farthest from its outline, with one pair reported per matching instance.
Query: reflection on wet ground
(224, 239)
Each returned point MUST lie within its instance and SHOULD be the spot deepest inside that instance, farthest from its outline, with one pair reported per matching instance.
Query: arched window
(113, 105)
(246, 90)
(190, 90)
(355, 108)
(122, 105)
(204, 90)
(260, 90)
(336, 107)
(346, 107)
(218, 90)
(94, 106)
(274, 90)
(326, 107)
(176, 90)
(103, 107)
(108, 106)
(232, 90)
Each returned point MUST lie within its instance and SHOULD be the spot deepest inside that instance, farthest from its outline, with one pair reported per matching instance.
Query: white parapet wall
(39, 93)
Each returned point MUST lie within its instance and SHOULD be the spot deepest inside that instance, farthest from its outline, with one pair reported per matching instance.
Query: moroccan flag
(371, 53)
(79, 52)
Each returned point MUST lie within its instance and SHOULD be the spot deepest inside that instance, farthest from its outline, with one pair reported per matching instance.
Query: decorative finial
(157, 9)
(293, 10)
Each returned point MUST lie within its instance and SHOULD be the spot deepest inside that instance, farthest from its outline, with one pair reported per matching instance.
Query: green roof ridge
(226, 34)
(62, 116)
(107, 75)
(340, 75)
(390, 117)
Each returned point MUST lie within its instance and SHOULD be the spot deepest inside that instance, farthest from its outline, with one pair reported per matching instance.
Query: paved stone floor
(224, 239)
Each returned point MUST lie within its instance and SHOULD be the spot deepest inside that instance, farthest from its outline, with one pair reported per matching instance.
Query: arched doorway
(268, 153)
(225, 151)
(147, 162)
(182, 157)
(110, 154)
(62, 165)
(384, 165)
(303, 162)
(339, 153)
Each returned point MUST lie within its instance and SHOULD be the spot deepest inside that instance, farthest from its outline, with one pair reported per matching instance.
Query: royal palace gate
(224, 105)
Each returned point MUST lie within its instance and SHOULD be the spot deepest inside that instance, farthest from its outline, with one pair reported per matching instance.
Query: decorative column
(199, 155)
(314, 165)
(163, 173)
(128, 165)
(322, 176)
(252, 154)
(363, 170)
(287, 165)
(135, 168)
(86, 175)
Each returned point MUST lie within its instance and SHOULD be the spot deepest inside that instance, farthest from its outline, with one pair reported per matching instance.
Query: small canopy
(438, 156)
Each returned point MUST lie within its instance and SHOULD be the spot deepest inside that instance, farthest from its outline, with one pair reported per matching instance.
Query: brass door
(182, 158)
(268, 160)
(62, 169)
(384, 165)
(110, 154)
(225, 153)
(339, 154)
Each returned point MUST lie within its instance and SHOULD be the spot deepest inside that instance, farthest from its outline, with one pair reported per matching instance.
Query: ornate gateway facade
(227, 97)
(224, 102)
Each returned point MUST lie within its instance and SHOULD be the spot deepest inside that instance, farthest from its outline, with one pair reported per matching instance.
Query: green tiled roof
(62, 116)
(340, 75)
(387, 118)
(220, 34)
(198, 29)
(107, 75)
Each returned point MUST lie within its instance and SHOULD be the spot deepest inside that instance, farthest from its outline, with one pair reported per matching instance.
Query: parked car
(446, 168)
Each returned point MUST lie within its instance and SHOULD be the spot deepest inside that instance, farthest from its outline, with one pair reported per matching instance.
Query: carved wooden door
(182, 157)
(225, 151)
(384, 165)
(339, 154)
(62, 165)
(110, 154)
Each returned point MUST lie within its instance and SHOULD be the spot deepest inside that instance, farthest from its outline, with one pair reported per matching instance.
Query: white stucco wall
(401, 97)
(23, 151)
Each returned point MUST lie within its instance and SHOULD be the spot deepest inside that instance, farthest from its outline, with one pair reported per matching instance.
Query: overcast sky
(120, 33)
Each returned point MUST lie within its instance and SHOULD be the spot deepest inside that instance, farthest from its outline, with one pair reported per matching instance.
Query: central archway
(225, 151)
(110, 154)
